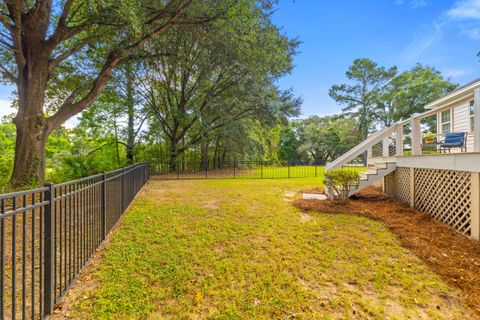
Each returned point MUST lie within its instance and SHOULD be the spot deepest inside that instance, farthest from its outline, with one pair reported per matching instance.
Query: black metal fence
(48, 234)
(234, 170)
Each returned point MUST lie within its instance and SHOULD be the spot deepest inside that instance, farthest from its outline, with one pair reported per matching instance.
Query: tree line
(100, 84)
(373, 97)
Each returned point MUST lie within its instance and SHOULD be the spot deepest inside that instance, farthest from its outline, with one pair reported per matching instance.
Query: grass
(256, 172)
(238, 249)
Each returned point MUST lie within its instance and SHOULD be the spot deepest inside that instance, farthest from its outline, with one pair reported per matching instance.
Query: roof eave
(454, 95)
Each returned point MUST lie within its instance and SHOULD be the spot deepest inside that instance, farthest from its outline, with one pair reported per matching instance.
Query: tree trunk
(30, 121)
(204, 161)
(173, 153)
(131, 113)
(29, 165)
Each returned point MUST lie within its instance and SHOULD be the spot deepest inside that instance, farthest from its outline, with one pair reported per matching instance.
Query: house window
(446, 121)
(472, 116)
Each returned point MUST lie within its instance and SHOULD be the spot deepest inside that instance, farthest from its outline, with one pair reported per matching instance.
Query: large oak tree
(210, 79)
(61, 54)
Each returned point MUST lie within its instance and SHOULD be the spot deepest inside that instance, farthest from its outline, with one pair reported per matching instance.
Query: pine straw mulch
(450, 254)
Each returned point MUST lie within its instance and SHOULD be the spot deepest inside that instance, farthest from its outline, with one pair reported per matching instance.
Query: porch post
(475, 206)
(476, 121)
(399, 140)
(416, 135)
(385, 147)
(369, 152)
(412, 187)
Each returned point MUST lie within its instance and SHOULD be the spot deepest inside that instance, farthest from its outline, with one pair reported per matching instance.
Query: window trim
(471, 115)
(450, 122)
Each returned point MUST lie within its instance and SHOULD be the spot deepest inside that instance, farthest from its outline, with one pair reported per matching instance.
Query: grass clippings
(449, 253)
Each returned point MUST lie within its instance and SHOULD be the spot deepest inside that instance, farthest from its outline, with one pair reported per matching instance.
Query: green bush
(340, 182)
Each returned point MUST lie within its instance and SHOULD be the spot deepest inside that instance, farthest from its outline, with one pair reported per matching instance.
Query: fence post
(134, 180)
(261, 169)
(288, 165)
(234, 164)
(104, 206)
(49, 253)
(123, 190)
(315, 170)
(148, 171)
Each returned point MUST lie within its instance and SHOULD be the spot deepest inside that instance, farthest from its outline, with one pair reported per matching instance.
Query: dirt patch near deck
(450, 254)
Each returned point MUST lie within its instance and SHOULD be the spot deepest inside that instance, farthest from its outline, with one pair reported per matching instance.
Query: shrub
(340, 182)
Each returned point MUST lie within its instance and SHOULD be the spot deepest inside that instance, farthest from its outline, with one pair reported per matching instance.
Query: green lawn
(238, 249)
(273, 172)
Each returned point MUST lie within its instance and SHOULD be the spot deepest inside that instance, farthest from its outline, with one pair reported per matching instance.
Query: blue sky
(442, 34)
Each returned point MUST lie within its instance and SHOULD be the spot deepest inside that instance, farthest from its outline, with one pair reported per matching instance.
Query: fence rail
(48, 234)
(234, 170)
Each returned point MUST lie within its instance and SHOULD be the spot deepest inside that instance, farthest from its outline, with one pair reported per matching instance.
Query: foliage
(409, 92)
(360, 96)
(207, 83)
(340, 182)
(429, 136)
(7, 147)
(380, 96)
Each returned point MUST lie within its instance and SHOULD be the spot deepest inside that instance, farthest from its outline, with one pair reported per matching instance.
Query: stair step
(369, 172)
(372, 175)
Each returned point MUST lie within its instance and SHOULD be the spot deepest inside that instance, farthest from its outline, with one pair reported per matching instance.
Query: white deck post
(476, 121)
(399, 140)
(475, 206)
(412, 187)
(416, 135)
(385, 147)
(369, 152)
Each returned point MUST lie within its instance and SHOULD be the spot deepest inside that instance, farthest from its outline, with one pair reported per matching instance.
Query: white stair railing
(365, 146)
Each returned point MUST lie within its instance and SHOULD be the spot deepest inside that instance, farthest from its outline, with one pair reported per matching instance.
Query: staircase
(374, 173)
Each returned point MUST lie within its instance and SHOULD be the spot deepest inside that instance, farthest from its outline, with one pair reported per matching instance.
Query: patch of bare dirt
(305, 217)
(450, 254)
(314, 191)
(289, 195)
(211, 205)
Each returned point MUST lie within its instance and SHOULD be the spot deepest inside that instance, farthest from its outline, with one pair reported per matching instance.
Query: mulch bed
(450, 254)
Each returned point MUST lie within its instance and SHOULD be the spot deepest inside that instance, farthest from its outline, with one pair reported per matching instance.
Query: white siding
(461, 119)
(461, 122)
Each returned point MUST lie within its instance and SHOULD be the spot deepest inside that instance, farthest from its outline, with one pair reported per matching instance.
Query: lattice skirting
(397, 184)
(444, 194)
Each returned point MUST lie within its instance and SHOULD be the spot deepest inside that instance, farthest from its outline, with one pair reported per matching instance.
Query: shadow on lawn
(450, 254)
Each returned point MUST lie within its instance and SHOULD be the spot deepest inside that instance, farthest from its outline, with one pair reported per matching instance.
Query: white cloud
(465, 10)
(422, 43)
(412, 3)
(464, 16)
(454, 73)
(473, 33)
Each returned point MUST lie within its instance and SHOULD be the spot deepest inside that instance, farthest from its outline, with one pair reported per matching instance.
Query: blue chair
(454, 140)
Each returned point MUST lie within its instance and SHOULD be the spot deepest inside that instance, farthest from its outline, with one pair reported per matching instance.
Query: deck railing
(391, 141)
(48, 234)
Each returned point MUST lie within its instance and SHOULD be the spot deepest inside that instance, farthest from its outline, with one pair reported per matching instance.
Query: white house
(431, 177)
